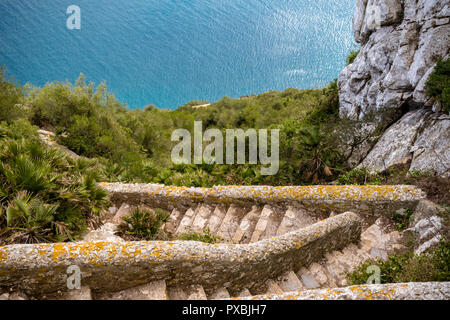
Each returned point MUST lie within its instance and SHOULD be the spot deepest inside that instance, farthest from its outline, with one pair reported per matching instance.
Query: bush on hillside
(438, 84)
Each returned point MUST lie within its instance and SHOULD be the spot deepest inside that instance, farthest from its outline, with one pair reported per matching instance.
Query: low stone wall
(107, 266)
(392, 291)
(319, 199)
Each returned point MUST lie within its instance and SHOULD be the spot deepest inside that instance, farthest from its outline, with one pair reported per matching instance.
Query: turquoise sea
(168, 52)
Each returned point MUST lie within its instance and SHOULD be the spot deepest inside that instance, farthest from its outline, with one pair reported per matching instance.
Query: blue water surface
(168, 52)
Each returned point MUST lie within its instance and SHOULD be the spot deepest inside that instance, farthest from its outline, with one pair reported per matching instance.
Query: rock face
(401, 41)
(421, 138)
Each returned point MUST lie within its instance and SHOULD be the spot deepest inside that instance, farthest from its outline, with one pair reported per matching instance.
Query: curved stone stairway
(248, 224)
(276, 240)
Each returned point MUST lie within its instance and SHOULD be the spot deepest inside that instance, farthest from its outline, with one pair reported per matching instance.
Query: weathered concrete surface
(396, 291)
(113, 266)
(320, 199)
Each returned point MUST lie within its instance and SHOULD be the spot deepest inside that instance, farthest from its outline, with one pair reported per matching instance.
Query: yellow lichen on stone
(59, 249)
(3, 255)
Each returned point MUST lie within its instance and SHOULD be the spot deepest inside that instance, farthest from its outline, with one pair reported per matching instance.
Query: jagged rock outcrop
(420, 138)
(401, 41)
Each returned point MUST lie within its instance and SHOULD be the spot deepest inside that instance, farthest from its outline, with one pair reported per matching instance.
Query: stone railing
(108, 266)
(390, 291)
(320, 199)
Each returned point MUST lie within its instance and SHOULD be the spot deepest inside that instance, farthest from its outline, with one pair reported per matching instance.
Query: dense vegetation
(135, 145)
(44, 194)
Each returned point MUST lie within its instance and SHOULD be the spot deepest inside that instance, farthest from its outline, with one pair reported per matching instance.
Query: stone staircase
(276, 241)
(329, 272)
(238, 224)
(248, 224)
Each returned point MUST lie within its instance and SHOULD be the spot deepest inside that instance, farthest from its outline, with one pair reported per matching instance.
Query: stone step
(176, 293)
(191, 292)
(290, 282)
(247, 226)
(308, 280)
(196, 292)
(267, 225)
(372, 235)
(220, 294)
(244, 293)
(84, 293)
(319, 274)
(273, 287)
(353, 256)
(175, 218)
(335, 268)
(156, 290)
(294, 219)
(231, 222)
(186, 221)
(201, 219)
(216, 218)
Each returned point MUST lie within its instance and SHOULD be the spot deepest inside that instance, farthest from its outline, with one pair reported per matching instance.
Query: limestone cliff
(401, 41)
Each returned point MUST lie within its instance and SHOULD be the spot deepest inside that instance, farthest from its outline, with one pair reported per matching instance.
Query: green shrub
(352, 56)
(407, 267)
(206, 237)
(86, 121)
(144, 224)
(402, 219)
(438, 84)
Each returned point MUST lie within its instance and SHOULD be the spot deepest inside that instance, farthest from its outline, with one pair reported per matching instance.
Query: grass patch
(206, 237)
(407, 267)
